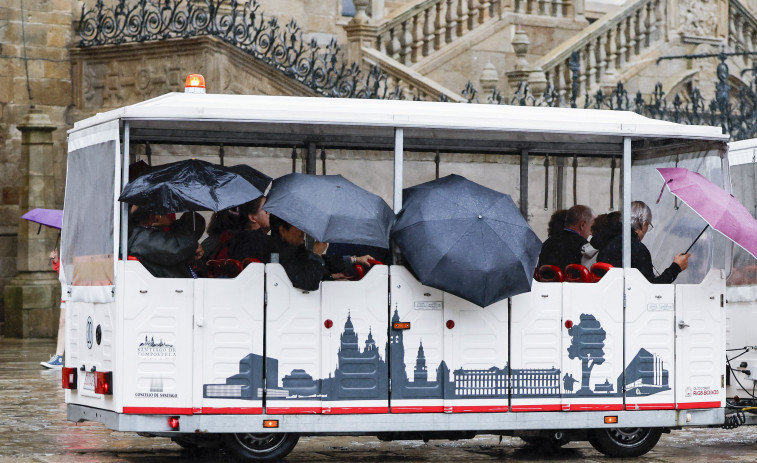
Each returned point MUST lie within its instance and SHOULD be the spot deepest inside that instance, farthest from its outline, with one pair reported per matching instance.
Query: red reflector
(401, 325)
(104, 382)
(450, 324)
(173, 422)
(569, 324)
(68, 377)
(328, 323)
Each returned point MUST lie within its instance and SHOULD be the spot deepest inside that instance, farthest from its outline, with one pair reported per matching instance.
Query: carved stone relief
(698, 18)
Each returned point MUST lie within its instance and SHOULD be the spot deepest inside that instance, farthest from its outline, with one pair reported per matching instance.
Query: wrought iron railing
(242, 25)
(324, 69)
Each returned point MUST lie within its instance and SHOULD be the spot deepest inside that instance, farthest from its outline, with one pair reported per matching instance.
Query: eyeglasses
(650, 225)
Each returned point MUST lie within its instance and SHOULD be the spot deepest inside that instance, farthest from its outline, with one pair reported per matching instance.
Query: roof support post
(626, 202)
(399, 154)
(124, 206)
(524, 183)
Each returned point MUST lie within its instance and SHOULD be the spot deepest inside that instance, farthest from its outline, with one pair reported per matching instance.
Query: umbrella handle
(697, 239)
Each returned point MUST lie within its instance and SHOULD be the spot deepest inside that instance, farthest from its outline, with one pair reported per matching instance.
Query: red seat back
(599, 270)
(577, 273)
(228, 268)
(550, 274)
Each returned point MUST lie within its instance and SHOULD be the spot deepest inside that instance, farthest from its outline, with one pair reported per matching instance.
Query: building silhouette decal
(363, 374)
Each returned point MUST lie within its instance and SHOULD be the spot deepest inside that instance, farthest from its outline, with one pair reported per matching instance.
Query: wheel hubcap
(261, 443)
(628, 437)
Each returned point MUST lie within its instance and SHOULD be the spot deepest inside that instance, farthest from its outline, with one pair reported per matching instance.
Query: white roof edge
(400, 114)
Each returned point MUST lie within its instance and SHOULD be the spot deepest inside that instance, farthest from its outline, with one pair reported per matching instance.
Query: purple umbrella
(52, 218)
(716, 206)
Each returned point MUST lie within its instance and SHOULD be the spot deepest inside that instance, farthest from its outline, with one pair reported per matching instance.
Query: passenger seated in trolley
(253, 241)
(306, 269)
(641, 259)
(565, 247)
(165, 254)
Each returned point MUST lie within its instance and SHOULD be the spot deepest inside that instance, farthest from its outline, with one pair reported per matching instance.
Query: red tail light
(173, 422)
(68, 378)
(104, 382)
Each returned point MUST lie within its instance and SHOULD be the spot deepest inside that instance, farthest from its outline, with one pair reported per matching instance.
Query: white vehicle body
(225, 355)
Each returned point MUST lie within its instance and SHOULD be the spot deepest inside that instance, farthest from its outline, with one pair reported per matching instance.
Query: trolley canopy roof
(251, 120)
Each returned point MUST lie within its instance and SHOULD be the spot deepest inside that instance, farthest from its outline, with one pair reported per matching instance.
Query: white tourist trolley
(251, 363)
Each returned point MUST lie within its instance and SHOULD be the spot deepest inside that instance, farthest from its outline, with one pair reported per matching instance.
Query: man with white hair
(641, 259)
(566, 246)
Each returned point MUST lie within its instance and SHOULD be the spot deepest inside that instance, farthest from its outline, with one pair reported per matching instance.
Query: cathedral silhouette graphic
(362, 374)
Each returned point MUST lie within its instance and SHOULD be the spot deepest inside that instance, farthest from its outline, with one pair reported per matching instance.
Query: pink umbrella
(717, 207)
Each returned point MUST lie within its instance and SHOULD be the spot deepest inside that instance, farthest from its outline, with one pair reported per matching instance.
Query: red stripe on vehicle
(158, 411)
(690, 405)
(427, 409)
(601, 407)
(479, 408)
(668, 406)
(293, 410)
(353, 410)
(537, 408)
(232, 411)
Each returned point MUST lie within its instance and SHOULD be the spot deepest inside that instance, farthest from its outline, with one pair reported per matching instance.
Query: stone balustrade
(427, 25)
(606, 46)
(406, 83)
(554, 8)
(742, 30)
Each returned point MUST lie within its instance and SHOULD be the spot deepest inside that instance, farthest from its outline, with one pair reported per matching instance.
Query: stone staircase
(621, 45)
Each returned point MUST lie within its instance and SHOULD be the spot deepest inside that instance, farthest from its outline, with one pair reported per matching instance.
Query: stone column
(360, 32)
(32, 299)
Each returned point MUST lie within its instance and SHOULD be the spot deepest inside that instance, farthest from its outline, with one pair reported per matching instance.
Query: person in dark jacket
(306, 269)
(641, 259)
(565, 246)
(605, 228)
(253, 241)
(165, 254)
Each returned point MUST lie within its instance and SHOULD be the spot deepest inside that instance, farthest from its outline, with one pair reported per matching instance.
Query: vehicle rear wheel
(259, 447)
(625, 442)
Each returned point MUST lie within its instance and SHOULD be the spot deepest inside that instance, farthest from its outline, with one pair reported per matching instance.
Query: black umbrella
(331, 209)
(466, 239)
(258, 179)
(190, 185)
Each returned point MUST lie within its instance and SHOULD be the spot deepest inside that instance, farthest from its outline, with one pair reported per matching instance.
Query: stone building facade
(427, 48)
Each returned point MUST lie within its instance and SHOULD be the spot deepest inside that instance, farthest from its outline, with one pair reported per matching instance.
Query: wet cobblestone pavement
(33, 429)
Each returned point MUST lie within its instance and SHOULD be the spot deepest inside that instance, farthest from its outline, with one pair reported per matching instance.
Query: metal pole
(310, 162)
(124, 206)
(626, 202)
(524, 183)
(399, 152)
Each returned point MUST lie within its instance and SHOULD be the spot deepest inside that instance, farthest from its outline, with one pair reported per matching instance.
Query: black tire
(624, 442)
(259, 447)
(546, 444)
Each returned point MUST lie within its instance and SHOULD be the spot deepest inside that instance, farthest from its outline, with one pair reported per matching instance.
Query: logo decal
(149, 349)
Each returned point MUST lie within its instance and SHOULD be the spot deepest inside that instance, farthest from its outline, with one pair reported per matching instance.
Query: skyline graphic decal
(363, 374)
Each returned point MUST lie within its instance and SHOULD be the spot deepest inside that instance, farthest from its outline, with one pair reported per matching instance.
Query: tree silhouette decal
(588, 345)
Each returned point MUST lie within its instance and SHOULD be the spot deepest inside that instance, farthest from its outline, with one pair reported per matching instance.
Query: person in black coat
(565, 246)
(306, 269)
(641, 259)
(253, 241)
(163, 253)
